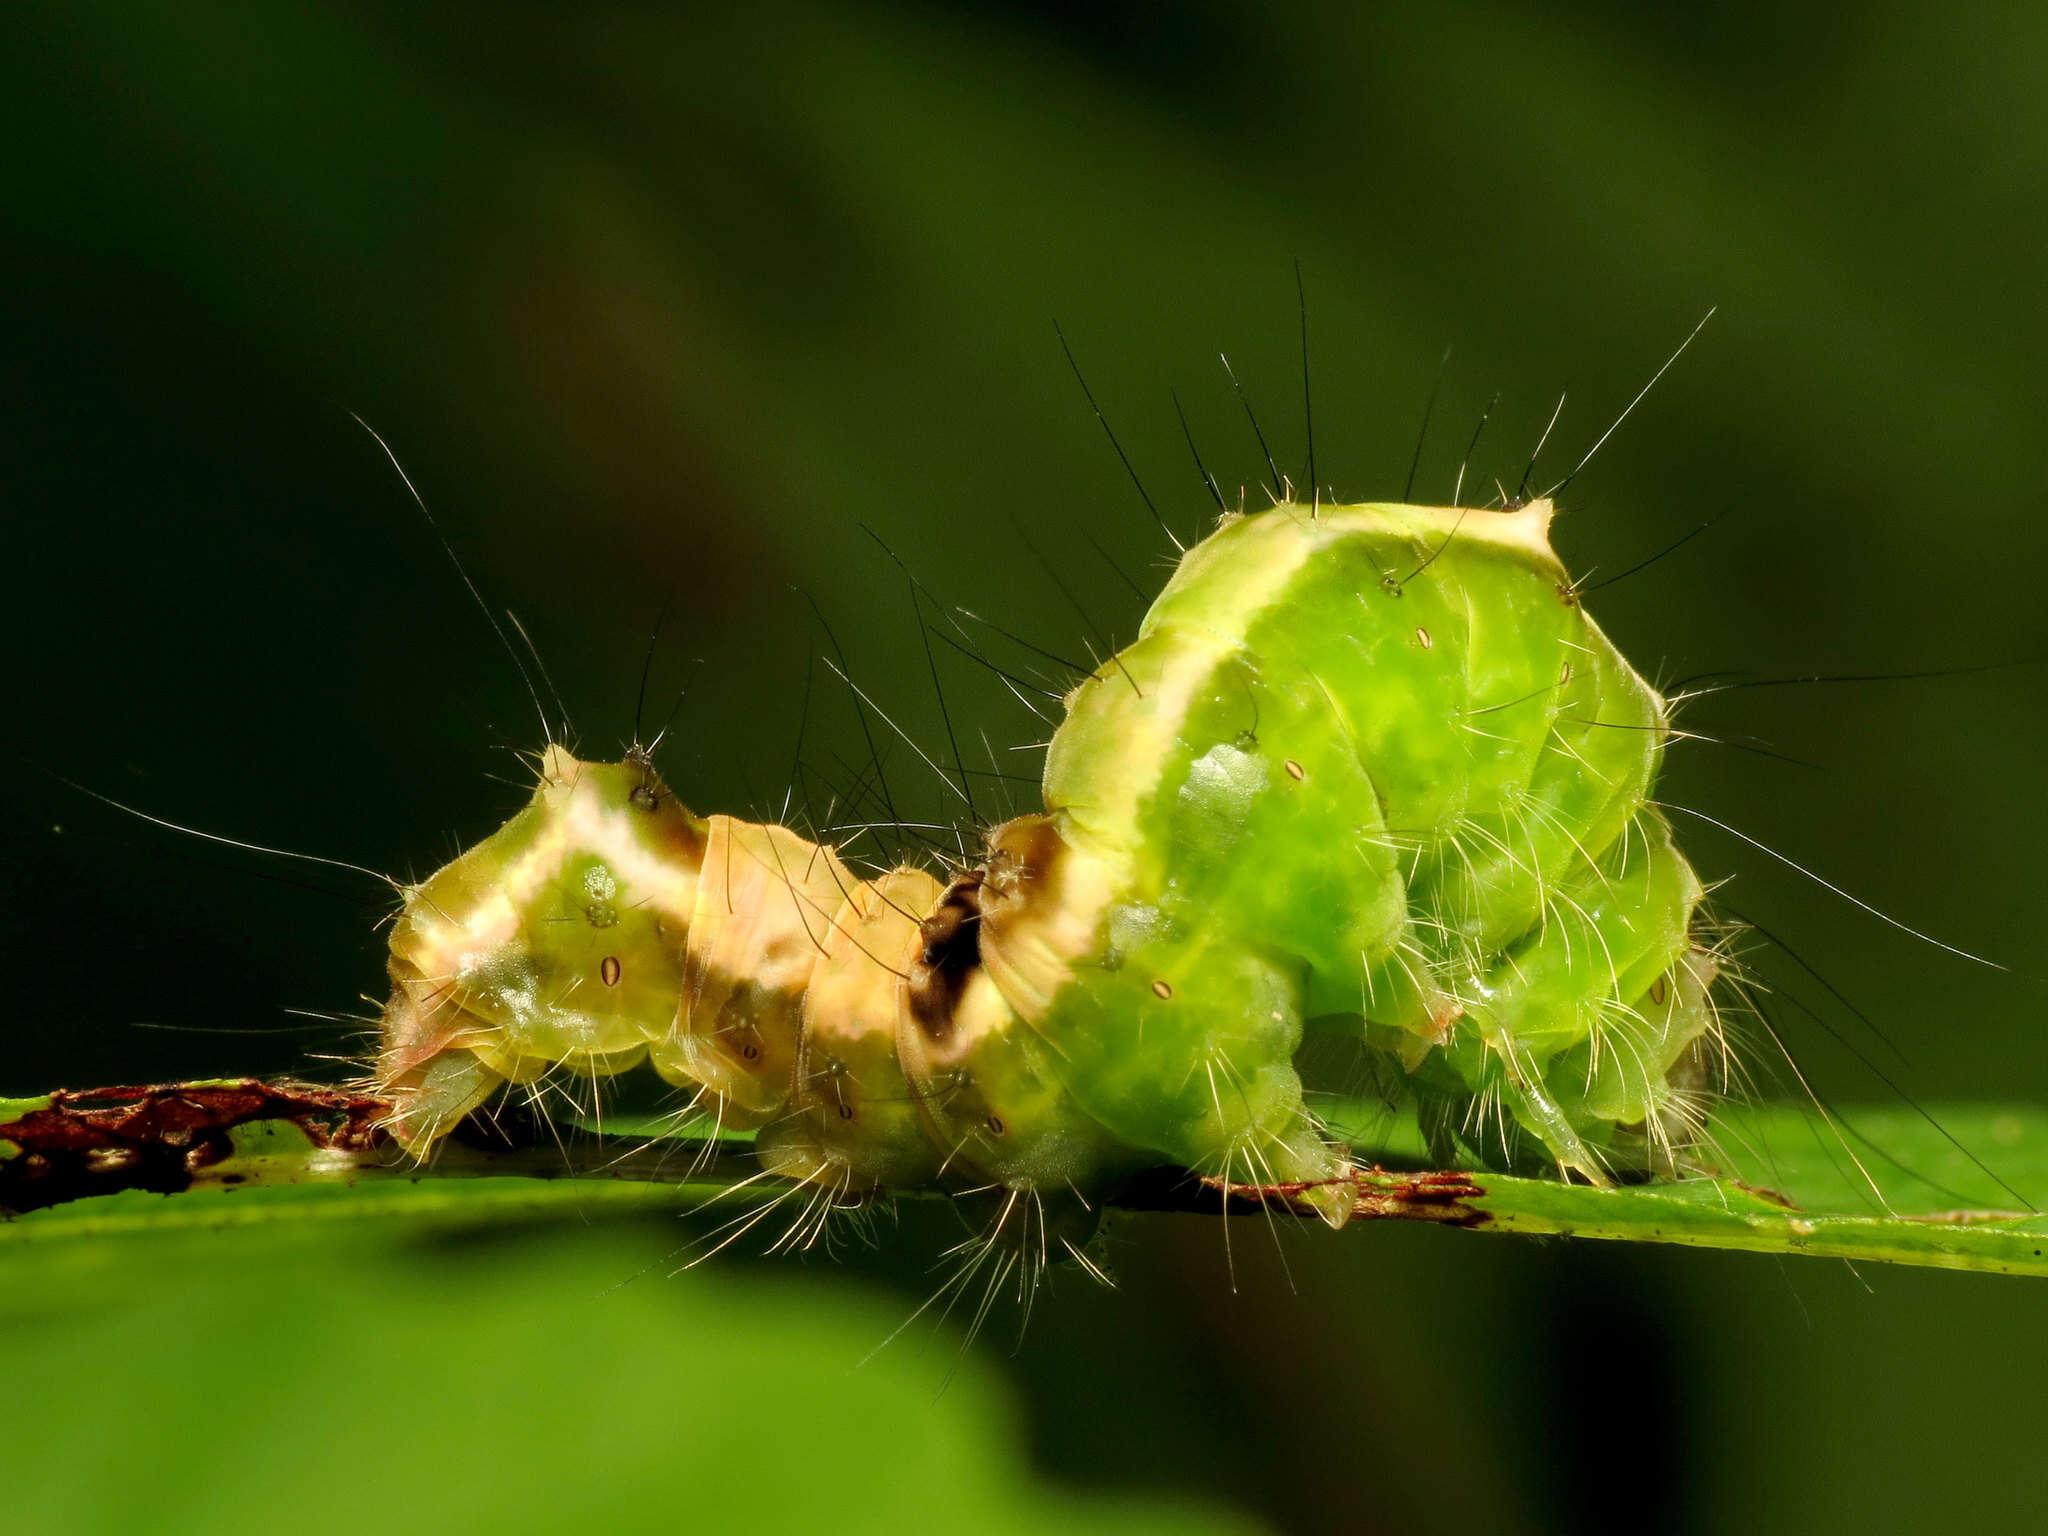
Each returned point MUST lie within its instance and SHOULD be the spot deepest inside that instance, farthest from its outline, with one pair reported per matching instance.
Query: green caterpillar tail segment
(1368, 772)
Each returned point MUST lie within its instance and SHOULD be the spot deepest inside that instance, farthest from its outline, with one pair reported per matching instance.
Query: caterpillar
(1369, 775)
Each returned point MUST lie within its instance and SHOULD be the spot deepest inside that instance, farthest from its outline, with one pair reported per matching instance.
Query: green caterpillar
(1369, 771)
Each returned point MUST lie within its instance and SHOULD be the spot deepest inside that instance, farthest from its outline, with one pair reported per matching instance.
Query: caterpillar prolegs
(1368, 773)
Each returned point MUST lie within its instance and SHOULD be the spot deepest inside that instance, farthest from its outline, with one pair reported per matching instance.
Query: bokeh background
(680, 316)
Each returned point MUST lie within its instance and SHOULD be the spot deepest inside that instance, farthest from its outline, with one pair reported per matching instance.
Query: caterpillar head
(560, 938)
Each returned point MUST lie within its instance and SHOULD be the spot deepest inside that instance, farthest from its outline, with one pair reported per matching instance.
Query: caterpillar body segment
(560, 939)
(604, 925)
(853, 1119)
(1368, 771)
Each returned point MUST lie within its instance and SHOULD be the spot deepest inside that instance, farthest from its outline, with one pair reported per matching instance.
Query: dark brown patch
(1022, 856)
(158, 1138)
(1441, 1198)
(949, 952)
(1763, 1193)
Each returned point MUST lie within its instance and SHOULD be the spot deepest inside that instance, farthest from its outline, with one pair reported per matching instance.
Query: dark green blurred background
(663, 309)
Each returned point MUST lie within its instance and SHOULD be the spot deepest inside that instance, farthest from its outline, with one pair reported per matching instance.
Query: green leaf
(1961, 1187)
(540, 1378)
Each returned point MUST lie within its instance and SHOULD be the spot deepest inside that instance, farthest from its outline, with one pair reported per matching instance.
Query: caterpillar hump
(1368, 771)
